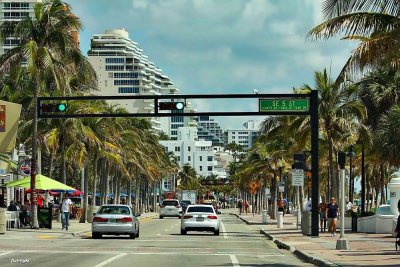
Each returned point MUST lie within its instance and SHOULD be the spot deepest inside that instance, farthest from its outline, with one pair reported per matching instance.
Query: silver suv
(170, 208)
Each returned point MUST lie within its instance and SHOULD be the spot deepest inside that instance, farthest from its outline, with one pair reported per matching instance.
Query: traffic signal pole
(314, 163)
(268, 104)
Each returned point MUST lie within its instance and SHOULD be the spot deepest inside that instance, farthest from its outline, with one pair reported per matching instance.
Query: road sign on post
(281, 186)
(297, 177)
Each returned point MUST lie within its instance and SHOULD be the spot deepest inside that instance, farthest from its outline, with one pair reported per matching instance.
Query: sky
(222, 46)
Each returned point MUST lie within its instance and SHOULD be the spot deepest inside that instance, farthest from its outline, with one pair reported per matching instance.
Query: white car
(170, 208)
(115, 219)
(200, 218)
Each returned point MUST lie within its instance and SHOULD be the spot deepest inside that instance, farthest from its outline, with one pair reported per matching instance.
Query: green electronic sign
(281, 104)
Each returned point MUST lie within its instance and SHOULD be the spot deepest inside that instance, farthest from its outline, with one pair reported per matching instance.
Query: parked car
(170, 208)
(185, 204)
(115, 219)
(200, 217)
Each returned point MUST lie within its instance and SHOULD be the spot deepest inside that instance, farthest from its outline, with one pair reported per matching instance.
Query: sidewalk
(365, 249)
(75, 228)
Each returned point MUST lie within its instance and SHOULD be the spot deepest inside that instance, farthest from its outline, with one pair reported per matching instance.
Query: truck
(188, 195)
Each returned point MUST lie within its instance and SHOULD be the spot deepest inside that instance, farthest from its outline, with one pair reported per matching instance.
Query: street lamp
(351, 155)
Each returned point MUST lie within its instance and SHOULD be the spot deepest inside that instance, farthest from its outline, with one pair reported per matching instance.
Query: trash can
(3, 220)
(91, 209)
(45, 217)
(306, 222)
(264, 216)
(354, 221)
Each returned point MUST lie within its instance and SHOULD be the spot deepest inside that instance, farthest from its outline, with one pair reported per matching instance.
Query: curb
(298, 253)
(247, 222)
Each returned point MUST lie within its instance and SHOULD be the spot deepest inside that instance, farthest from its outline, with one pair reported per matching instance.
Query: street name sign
(287, 104)
(297, 177)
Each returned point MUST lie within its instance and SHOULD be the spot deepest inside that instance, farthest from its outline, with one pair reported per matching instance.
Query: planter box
(347, 223)
(379, 224)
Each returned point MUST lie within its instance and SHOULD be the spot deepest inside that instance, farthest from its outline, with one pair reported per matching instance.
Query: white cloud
(140, 4)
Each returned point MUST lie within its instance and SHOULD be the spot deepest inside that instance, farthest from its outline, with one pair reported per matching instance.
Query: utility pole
(341, 243)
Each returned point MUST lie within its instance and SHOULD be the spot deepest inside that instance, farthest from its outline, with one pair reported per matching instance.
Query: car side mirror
(94, 213)
(137, 214)
(218, 212)
(181, 211)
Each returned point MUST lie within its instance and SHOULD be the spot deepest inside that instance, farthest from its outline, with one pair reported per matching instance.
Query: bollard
(280, 219)
(3, 220)
(264, 216)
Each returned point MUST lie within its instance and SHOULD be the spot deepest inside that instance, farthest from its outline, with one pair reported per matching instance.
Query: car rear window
(201, 209)
(170, 202)
(113, 210)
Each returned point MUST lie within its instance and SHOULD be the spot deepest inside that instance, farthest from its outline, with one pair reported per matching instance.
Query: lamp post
(351, 154)
(341, 243)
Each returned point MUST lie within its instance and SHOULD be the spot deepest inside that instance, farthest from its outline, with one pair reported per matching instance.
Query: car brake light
(125, 219)
(162, 206)
(213, 217)
(99, 219)
(187, 216)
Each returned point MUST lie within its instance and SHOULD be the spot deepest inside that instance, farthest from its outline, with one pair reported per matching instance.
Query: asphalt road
(159, 244)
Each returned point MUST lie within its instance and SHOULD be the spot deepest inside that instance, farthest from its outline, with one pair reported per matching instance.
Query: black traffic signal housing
(341, 159)
(299, 161)
(53, 107)
(171, 105)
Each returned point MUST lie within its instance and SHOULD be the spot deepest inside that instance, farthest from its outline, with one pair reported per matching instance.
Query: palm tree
(48, 51)
(187, 175)
(374, 24)
(338, 112)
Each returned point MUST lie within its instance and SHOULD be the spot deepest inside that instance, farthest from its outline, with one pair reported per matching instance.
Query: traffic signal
(171, 105)
(53, 107)
(299, 161)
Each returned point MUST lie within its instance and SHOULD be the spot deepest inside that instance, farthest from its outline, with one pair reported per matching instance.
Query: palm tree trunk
(129, 192)
(94, 181)
(51, 163)
(334, 181)
(273, 196)
(382, 182)
(85, 195)
(118, 189)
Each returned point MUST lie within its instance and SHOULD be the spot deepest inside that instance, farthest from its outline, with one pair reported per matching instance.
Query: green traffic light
(62, 107)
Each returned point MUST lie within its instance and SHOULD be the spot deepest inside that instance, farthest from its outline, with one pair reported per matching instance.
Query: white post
(341, 243)
(280, 219)
(298, 210)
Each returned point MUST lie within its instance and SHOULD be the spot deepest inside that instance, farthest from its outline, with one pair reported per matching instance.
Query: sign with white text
(297, 177)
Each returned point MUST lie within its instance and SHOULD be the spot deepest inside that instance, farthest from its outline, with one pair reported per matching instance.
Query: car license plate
(112, 220)
(199, 219)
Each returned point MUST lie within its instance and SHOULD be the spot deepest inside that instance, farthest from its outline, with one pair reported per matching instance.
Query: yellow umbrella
(42, 183)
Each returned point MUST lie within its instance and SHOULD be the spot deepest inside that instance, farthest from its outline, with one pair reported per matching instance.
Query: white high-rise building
(123, 69)
(189, 150)
(14, 10)
(246, 137)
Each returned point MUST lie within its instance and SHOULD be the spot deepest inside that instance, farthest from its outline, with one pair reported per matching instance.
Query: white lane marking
(224, 231)
(116, 257)
(5, 253)
(122, 254)
(234, 260)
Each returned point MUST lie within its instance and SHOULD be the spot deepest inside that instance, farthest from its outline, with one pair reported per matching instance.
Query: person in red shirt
(40, 200)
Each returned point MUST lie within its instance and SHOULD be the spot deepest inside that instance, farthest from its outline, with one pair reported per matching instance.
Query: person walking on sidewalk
(240, 206)
(246, 206)
(397, 229)
(66, 209)
(332, 213)
(322, 214)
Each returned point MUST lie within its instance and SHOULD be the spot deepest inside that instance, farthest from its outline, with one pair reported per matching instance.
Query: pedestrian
(66, 209)
(246, 206)
(281, 205)
(240, 206)
(332, 213)
(397, 229)
(322, 214)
